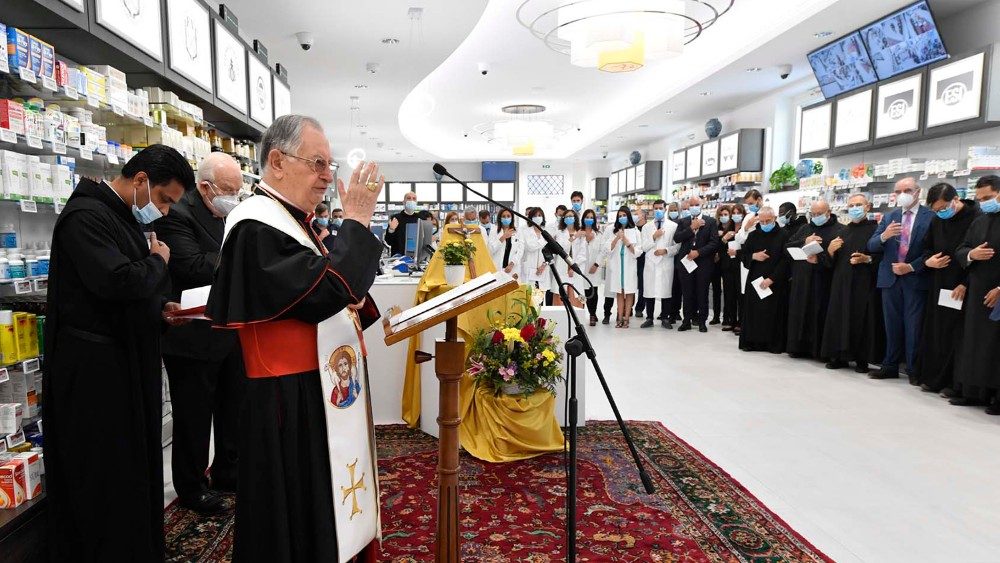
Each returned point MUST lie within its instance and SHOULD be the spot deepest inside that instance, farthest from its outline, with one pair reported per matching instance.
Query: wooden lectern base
(449, 357)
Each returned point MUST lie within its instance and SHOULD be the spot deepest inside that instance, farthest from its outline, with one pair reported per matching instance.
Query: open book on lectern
(400, 324)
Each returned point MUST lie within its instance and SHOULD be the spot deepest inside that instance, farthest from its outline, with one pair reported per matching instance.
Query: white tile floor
(872, 471)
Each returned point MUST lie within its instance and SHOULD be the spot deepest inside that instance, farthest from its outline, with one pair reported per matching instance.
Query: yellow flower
(512, 335)
(549, 355)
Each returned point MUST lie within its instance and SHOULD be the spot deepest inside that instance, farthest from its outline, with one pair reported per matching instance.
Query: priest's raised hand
(360, 198)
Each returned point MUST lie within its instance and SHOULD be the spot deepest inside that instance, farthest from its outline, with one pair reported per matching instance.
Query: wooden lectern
(449, 357)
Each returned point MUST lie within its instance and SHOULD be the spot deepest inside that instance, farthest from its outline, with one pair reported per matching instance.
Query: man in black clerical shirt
(395, 237)
(102, 364)
(204, 366)
(699, 239)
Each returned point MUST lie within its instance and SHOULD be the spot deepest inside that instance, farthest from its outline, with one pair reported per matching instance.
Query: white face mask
(905, 200)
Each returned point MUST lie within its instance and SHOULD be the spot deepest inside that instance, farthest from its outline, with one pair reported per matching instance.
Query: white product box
(39, 175)
(62, 178)
(9, 421)
(15, 173)
(32, 473)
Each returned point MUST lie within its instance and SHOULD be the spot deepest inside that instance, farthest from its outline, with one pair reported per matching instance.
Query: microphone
(550, 243)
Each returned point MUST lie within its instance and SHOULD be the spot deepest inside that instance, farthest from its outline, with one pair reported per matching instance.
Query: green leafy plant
(782, 177)
(817, 168)
(458, 253)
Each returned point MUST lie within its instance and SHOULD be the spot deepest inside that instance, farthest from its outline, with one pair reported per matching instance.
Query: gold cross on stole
(352, 491)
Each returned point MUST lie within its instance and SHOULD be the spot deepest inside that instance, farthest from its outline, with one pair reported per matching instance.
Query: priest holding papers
(766, 318)
(809, 295)
(307, 485)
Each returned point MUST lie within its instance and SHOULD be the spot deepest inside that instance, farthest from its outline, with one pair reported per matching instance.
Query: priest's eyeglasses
(318, 165)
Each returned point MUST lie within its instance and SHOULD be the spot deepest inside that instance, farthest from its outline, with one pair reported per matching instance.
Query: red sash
(277, 348)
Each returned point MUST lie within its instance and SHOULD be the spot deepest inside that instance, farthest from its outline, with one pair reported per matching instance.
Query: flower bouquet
(518, 354)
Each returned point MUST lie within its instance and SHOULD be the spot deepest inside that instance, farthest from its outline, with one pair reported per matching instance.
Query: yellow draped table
(494, 428)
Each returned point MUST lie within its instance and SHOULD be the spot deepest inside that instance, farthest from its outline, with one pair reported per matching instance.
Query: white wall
(423, 171)
(971, 29)
(574, 178)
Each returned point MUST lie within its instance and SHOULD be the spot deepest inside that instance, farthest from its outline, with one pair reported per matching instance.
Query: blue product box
(17, 49)
(48, 60)
(35, 55)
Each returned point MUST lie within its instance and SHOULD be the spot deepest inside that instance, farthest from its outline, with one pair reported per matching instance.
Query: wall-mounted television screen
(843, 66)
(903, 41)
(499, 171)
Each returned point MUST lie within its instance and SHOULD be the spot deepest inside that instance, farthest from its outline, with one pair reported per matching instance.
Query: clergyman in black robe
(943, 326)
(102, 381)
(765, 320)
(977, 373)
(809, 293)
(275, 291)
(854, 329)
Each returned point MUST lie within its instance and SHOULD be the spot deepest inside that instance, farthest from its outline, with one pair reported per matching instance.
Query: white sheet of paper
(195, 297)
(689, 265)
(744, 274)
(812, 248)
(761, 292)
(733, 245)
(945, 300)
(797, 253)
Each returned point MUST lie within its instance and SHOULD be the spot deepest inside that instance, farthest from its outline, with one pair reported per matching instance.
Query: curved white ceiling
(440, 114)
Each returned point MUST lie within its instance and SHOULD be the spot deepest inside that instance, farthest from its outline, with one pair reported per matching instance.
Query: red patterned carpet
(515, 512)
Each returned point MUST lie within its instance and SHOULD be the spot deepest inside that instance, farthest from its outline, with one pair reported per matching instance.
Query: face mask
(782, 221)
(570, 221)
(225, 204)
(323, 221)
(658, 214)
(768, 227)
(856, 213)
(577, 206)
(695, 210)
(588, 222)
(724, 219)
(472, 223)
(410, 206)
(674, 215)
(990, 206)
(537, 219)
(337, 222)
(737, 218)
(623, 221)
(149, 212)
(820, 220)
(753, 208)
(505, 221)
(685, 213)
(904, 201)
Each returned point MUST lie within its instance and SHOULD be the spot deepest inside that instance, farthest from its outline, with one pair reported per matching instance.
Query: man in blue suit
(902, 277)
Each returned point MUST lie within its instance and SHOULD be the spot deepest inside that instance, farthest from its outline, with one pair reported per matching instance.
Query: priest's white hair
(211, 163)
(766, 210)
(285, 135)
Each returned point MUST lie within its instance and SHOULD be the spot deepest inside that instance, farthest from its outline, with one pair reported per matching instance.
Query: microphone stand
(576, 346)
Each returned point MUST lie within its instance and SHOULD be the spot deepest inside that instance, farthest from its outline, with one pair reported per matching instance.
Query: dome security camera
(484, 68)
(305, 40)
(604, 155)
(785, 71)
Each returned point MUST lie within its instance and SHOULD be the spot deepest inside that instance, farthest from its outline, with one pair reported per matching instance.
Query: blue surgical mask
(724, 219)
(623, 221)
(538, 220)
(856, 212)
(337, 222)
(782, 221)
(695, 210)
(753, 208)
(685, 213)
(990, 206)
(588, 222)
(149, 212)
(767, 228)
(658, 214)
(674, 215)
(577, 206)
(570, 221)
(505, 221)
(947, 212)
(820, 220)
(323, 221)
(472, 223)
(410, 206)
(737, 218)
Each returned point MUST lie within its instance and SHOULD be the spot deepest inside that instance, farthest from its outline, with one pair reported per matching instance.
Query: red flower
(528, 332)
(497, 337)
(541, 322)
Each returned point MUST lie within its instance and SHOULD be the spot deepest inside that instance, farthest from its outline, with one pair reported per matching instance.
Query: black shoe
(727, 328)
(715, 321)
(964, 402)
(949, 393)
(205, 503)
(883, 374)
(914, 381)
(927, 388)
(666, 324)
(638, 313)
(702, 327)
(861, 368)
(662, 318)
(993, 409)
(836, 364)
(647, 324)
(607, 320)
(685, 326)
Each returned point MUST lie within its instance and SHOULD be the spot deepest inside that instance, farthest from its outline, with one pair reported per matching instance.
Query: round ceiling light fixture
(754, 69)
(355, 157)
(822, 34)
(619, 35)
(523, 109)
(390, 41)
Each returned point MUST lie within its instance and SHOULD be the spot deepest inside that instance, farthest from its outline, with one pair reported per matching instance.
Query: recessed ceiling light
(669, 112)
(704, 93)
(390, 41)
(361, 86)
(644, 125)
(754, 69)
(361, 126)
(823, 34)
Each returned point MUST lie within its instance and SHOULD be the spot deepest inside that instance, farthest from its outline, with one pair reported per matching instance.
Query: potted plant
(456, 255)
(784, 177)
(517, 355)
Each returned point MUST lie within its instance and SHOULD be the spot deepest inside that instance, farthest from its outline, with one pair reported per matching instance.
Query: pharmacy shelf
(27, 286)
(40, 147)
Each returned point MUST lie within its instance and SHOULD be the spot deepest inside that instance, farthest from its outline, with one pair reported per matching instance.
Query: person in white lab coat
(625, 245)
(575, 244)
(659, 247)
(506, 246)
(596, 254)
(536, 270)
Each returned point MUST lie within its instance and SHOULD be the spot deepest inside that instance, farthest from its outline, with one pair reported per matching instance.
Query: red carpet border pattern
(515, 512)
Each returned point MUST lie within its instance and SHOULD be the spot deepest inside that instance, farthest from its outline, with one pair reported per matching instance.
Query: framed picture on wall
(261, 97)
(854, 119)
(613, 184)
(135, 21)
(729, 152)
(282, 99)
(694, 162)
(230, 68)
(710, 158)
(630, 180)
(188, 33)
(816, 125)
(75, 4)
(679, 160)
(956, 91)
(899, 107)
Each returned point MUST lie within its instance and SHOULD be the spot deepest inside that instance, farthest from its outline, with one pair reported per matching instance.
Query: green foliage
(783, 176)
(458, 253)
